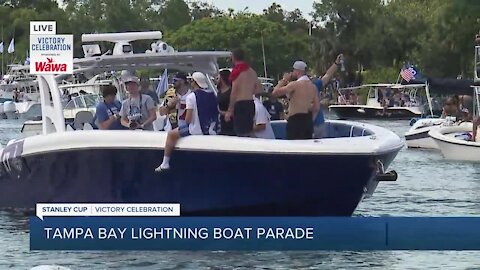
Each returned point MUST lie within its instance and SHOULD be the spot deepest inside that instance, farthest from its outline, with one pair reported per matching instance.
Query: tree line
(376, 36)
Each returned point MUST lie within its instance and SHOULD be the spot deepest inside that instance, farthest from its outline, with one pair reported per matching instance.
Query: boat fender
(390, 176)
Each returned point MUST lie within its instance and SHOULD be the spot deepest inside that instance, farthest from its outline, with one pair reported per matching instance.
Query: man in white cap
(138, 111)
(201, 117)
(303, 101)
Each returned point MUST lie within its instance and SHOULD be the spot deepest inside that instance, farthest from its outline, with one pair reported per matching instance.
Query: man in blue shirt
(319, 122)
(107, 115)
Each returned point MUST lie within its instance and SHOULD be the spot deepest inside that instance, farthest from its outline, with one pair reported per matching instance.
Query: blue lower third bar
(255, 233)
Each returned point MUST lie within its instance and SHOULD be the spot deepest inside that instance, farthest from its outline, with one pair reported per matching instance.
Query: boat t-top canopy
(204, 61)
(449, 86)
(161, 56)
(407, 86)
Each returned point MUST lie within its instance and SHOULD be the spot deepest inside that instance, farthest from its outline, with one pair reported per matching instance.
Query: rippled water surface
(427, 186)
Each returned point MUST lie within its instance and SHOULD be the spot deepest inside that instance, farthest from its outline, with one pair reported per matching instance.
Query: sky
(257, 6)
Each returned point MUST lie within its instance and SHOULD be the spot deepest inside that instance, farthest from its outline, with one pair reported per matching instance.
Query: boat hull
(424, 143)
(454, 151)
(367, 112)
(453, 148)
(204, 183)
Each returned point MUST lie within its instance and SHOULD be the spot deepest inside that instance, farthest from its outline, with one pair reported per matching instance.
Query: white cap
(130, 78)
(300, 65)
(200, 79)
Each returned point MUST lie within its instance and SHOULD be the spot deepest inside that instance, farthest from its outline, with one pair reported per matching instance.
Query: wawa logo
(50, 66)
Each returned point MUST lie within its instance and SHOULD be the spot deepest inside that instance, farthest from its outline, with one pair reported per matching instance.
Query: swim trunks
(300, 126)
(243, 114)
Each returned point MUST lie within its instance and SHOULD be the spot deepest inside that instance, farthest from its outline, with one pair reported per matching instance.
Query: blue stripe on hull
(204, 183)
(418, 136)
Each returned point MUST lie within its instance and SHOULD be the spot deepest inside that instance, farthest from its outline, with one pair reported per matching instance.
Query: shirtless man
(245, 85)
(304, 103)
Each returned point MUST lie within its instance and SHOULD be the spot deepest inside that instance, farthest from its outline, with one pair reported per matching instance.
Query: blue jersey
(104, 111)
(320, 119)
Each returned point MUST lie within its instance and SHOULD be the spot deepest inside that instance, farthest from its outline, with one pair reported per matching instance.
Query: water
(427, 186)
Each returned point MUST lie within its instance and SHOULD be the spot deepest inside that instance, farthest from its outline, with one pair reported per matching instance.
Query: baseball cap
(180, 75)
(130, 78)
(200, 79)
(300, 65)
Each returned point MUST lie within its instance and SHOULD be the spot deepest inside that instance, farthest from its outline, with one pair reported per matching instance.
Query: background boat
(375, 108)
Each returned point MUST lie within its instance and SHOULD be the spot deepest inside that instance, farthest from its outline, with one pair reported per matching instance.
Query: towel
(238, 69)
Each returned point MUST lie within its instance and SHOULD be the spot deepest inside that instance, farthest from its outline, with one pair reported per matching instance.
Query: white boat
(19, 93)
(417, 136)
(453, 144)
(209, 175)
(454, 141)
(373, 108)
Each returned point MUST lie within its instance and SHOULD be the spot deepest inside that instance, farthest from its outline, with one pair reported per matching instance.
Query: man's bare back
(303, 105)
(302, 97)
(246, 85)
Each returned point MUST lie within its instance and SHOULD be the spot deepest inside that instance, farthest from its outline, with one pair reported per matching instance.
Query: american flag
(408, 74)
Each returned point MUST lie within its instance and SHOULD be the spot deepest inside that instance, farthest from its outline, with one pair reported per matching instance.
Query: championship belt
(172, 117)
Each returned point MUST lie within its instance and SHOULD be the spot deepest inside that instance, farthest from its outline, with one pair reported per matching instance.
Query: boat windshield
(83, 101)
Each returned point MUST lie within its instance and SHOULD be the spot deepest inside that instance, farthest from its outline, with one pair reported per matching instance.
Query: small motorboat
(210, 175)
(417, 136)
(456, 142)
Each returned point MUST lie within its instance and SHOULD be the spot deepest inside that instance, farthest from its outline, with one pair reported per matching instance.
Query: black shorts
(243, 114)
(300, 126)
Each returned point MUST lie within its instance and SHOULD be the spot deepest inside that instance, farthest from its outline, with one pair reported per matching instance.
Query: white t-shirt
(194, 127)
(182, 108)
(262, 117)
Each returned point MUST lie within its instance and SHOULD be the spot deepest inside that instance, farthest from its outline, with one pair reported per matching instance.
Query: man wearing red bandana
(245, 85)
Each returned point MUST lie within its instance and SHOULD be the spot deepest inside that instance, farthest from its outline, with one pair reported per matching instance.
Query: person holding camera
(107, 113)
(138, 111)
(303, 104)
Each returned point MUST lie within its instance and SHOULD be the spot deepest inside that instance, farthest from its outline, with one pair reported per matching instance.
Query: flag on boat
(27, 60)
(11, 47)
(162, 86)
(409, 73)
(1, 47)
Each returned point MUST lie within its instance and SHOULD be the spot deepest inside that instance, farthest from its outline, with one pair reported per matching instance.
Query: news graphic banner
(107, 209)
(50, 53)
(253, 233)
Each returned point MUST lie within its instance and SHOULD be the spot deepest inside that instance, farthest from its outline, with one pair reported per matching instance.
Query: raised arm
(283, 87)
(331, 70)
